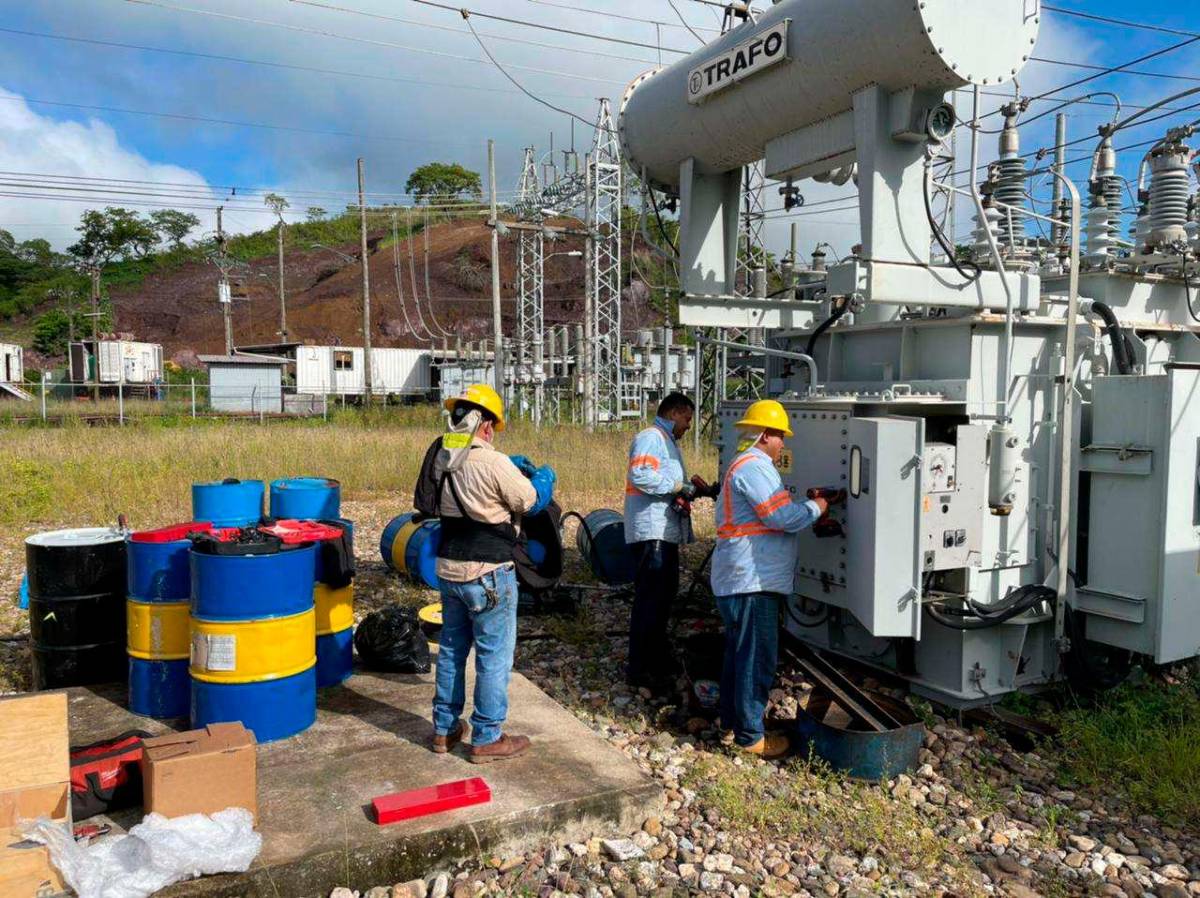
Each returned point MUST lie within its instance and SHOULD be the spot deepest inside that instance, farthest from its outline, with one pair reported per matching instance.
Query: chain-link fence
(57, 402)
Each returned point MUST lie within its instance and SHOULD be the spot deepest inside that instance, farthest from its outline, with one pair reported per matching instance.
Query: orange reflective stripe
(631, 490)
(751, 528)
(777, 501)
(648, 460)
(727, 492)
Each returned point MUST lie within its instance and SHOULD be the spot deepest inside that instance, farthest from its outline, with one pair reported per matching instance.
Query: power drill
(826, 526)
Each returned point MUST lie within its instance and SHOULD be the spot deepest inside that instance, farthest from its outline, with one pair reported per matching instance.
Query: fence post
(45, 378)
(193, 397)
(324, 406)
(121, 399)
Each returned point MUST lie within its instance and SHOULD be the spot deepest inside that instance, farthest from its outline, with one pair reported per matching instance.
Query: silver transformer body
(944, 403)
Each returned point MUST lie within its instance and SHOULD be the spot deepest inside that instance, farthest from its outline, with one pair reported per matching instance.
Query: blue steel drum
(271, 709)
(601, 541)
(159, 689)
(228, 503)
(335, 658)
(410, 548)
(822, 727)
(306, 498)
(247, 587)
(159, 589)
(253, 631)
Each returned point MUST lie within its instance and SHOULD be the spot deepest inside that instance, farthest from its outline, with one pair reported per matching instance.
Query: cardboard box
(200, 771)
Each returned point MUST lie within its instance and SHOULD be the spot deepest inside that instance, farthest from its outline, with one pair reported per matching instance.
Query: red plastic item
(294, 531)
(430, 800)
(171, 534)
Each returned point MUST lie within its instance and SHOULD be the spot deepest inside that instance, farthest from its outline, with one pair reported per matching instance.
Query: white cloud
(41, 145)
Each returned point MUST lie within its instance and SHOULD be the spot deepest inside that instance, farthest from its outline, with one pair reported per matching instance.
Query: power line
(616, 15)
(1118, 68)
(261, 62)
(1100, 68)
(304, 29)
(1124, 23)
(484, 15)
(493, 35)
(228, 122)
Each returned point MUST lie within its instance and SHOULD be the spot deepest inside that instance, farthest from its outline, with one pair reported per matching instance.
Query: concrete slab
(314, 790)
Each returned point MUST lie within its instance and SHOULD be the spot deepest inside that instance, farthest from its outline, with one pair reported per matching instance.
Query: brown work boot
(443, 744)
(501, 750)
(770, 747)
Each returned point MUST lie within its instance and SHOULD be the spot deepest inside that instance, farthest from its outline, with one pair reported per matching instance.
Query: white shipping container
(339, 369)
(129, 361)
(12, 366)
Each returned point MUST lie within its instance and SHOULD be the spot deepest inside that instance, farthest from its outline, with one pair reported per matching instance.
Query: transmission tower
(743, 374)
(528, 377)
(604, 229)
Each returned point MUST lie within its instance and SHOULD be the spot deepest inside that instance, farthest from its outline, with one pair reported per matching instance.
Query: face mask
(456, 443)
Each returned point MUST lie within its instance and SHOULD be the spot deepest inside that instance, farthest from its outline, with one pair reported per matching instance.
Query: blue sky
(399, 124)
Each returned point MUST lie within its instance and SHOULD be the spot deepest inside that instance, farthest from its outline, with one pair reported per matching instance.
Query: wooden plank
(34, 745)
(26, 872)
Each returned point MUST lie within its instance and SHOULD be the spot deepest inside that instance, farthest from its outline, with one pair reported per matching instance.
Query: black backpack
(428, 496)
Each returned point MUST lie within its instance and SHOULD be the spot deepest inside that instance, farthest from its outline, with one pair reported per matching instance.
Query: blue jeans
(470, 616)
(654, 587)
(751, 654)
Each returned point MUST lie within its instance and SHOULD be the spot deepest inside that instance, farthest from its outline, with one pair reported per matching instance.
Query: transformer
(1002, 429)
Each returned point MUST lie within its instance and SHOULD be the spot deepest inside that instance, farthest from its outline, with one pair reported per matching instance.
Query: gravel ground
(976, 818)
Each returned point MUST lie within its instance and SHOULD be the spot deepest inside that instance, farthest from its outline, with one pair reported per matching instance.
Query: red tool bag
(107, 776)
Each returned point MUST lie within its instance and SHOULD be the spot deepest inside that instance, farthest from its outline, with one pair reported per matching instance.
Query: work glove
(831, 495)
(542, 480)
(704, 488)
(687, 492)
(681, 506)
(524, 465)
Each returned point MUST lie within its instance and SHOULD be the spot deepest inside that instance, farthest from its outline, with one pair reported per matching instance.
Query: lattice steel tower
(605, 194)
(528, 372)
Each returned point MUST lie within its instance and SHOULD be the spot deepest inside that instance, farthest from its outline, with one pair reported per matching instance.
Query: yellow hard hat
(766, 414)
(483, 396)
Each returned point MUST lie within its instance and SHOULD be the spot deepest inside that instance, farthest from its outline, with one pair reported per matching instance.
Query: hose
(1022, 599)
(1116, 337)
(838, 311)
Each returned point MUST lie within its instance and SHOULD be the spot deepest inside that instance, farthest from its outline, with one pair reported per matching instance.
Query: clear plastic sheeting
(153, 855)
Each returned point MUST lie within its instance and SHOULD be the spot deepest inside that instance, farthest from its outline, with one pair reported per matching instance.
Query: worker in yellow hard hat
(479, 494)
(752, 569)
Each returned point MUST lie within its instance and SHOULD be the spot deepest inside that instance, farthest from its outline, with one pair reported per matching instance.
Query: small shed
(245, 383)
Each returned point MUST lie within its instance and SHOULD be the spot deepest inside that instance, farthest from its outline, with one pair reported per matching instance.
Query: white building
(324, 370)
(250, 384)
(12, 371)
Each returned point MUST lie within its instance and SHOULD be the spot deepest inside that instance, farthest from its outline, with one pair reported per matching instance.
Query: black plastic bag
(390, 641)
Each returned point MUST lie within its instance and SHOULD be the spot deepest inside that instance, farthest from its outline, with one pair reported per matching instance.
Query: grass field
(76, 475)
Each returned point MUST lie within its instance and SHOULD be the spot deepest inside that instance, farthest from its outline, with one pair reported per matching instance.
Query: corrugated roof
(243, 359)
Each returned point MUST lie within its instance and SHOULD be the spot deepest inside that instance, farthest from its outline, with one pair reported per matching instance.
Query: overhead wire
(684, 22)
(1124, 23)
(241, 60)
(305, 29)
(621, 16)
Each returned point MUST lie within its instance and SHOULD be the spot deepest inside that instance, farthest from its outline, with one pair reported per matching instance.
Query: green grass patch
(1143, 739)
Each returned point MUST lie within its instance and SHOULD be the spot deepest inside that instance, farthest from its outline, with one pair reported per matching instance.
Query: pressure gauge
(940, 121)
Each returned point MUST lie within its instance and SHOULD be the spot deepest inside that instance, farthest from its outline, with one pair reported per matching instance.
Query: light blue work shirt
(655, 474)
(757, 523)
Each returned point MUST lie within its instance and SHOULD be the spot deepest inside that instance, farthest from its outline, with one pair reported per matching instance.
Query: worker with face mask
(481, 496)
(658, 498)
(752, 569)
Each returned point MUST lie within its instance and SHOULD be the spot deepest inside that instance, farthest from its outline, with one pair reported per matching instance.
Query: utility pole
(283, 328)
(94, 271)
(366, 285)
(497, 334)
(224, 294)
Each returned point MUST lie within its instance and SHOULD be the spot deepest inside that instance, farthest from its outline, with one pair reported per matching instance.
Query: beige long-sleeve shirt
(493, 491)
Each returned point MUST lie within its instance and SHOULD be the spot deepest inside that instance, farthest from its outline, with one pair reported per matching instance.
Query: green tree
(315, 213)
(442, 181)
(276, 203)
(115, 233)
(173, 225)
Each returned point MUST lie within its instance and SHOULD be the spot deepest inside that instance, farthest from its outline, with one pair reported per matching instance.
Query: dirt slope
(179, 310)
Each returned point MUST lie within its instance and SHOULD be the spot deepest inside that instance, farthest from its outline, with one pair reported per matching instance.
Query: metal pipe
(809, 362)
(1067, 420)
(697, 382)
(1060, 160)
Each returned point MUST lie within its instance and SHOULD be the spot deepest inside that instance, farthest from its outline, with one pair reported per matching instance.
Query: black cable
(838, 311)
(1022, 599)
(662, 230)
(1116, 337)
(949, 250)
(1187, 291)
